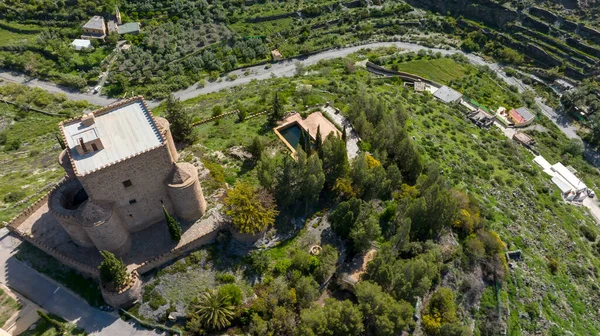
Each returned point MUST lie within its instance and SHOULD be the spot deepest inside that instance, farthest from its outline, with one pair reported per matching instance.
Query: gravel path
(352, 138)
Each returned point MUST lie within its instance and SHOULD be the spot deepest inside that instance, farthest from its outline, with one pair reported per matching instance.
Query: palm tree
(213, 309)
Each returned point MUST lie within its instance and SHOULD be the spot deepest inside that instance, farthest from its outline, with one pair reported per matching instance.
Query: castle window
(132, 202)
(127, 184)
(94, 147)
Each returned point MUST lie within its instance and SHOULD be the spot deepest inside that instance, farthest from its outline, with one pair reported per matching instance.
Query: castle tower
(104, 226)
(185, 192)
(165, 131)
(65, 203)
(118, 15)
(122, 162)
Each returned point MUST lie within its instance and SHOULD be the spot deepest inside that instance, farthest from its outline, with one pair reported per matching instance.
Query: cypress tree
(319, 142)
(344, 134)
(302, 140)
(307, 146)
(112, 271)
(173, 224)
(277, 109)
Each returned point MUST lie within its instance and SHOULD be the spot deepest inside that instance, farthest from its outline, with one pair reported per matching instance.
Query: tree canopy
(251, 209)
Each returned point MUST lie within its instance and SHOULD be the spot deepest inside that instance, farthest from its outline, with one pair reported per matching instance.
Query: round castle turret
(65, 162)
(105, 227)
(165, 131)
(66, 203)
(185, 192)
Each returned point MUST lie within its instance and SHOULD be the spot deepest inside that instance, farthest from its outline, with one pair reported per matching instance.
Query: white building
(79, 44)
(572, 188)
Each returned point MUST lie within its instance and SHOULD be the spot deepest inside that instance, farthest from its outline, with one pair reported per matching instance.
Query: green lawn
(441, 70)
(8, 306)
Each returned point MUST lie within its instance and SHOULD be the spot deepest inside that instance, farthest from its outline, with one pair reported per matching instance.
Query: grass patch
(46, 328)
(8, 306)
(441, 70)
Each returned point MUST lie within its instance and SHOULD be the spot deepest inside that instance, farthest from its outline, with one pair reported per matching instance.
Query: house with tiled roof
(521, 117)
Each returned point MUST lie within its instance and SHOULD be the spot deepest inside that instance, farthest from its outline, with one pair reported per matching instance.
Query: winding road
(287, 68)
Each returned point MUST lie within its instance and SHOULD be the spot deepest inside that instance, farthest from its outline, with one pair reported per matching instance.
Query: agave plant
(213, 309)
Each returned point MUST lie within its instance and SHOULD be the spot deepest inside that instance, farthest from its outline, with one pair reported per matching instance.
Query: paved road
(288, 69)
(9, 77)
(55, 298)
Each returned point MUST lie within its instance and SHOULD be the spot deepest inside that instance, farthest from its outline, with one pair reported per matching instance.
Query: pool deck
(310, 124)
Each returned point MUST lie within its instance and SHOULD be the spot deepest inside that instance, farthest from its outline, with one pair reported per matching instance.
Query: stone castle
(121, 162)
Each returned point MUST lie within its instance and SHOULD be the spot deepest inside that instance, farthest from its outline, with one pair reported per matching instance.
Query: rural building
(132, 28)
(521, 117)
(481, 118)
(94, 28)
(571, 187)
(276, 55)
(448, 95)
(121, 166)
(523, 139)
(79, 44)
(419, 86)
(111, 26)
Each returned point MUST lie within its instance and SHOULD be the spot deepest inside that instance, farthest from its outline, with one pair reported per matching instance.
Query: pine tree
(319, 142)
(112, 271)
(180, 121)
(173, 224)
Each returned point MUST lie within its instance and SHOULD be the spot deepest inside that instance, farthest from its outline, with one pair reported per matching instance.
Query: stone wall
(139, 205)
(126, 297)
(83, 268)
(178, 252)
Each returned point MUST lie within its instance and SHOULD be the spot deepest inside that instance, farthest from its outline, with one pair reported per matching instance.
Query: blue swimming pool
(291, 134)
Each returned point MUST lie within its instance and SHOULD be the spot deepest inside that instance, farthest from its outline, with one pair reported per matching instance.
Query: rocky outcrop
(539, 26)
(583, 47)
(546, 15)
(491, 13)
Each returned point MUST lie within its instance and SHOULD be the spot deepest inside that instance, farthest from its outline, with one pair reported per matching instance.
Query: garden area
(492, 179)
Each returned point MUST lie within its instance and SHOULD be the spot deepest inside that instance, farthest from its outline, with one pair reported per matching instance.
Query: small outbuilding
(419, 86)
(523, 139)
(80, 44)
(448, 95)
(521, 116)
(132, 28)
(276, 55)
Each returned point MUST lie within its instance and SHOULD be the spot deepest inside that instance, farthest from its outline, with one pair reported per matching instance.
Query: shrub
(225, 277)
(553, 265)
(13, 197)
(260, 261)
(231, 293)
(588, 233)
(12, 145)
